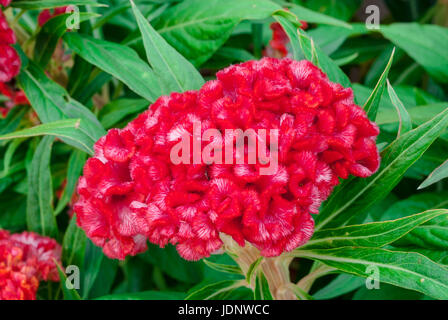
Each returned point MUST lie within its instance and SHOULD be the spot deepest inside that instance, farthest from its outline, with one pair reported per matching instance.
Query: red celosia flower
(9, 59)
(46, 15)
(26, 259)
(131, 192)
(277, 47)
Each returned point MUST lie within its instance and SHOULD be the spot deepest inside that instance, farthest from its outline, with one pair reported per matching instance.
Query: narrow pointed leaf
(262, 291)
(311, 16)
(373, 102)
(197, 28)
(223, 267)
(69, 130)
(46, 4)
(119, 61)
(74, 169)
(315, 54)
(215, 290)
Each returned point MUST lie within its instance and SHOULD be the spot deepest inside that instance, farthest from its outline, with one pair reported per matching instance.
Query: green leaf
(215, 291)
(145, 295)
(74, 244)
(120, 61)
(374, 234)
(93, 258)
(300, 293)
(117, 110)
(39, 213)
(313, 52)
(405, 123)
(262, 291)
(303, 46)
(373, 102)
(47, 4)
(311, 16)
(48, 37)
(386, 292)
(404, 269)
(105, 279)
(426, 44)
(438, 256)
(69, 294)
(342, 284)
(414, 204)
(8, 156)
(439, 173)
(291, 31)
(69, 130)
(223, 267)
(197, 28)
(431, 235)
(74, 169)
(174, 71)
(12, 120)
(357, 195)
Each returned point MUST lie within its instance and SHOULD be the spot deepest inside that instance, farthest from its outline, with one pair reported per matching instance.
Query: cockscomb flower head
(25, 259)
(132, 191)
(9, 59)
(46, 15)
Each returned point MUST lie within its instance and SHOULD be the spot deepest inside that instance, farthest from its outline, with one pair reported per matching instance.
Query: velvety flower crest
(131, 191)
